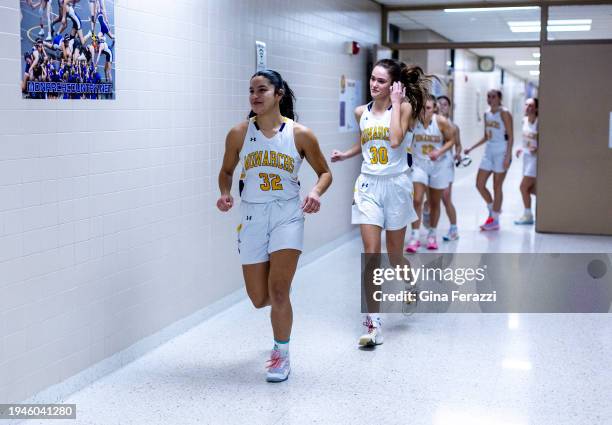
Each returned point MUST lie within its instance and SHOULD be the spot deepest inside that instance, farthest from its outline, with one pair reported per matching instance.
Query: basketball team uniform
(434, 174)
(383, 190)
(496, 145)
(530, 139)
(271, 215)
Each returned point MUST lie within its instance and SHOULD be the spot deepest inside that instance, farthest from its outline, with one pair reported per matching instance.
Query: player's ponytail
(286, 103)
(280, 85)
(417, 83)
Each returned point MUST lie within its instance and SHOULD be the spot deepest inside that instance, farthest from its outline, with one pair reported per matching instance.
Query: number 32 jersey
(379, 159)
(270, 165)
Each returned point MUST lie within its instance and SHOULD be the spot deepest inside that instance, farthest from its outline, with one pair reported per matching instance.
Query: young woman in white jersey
(270, 147)
(444, 108)
(383, 191)
(529, 151)
(433, 138)
(499, 137)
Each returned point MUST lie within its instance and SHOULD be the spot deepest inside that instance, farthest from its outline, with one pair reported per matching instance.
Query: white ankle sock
(282, 346)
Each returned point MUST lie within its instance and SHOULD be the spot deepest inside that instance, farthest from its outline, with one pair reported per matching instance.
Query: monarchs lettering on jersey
(269, 159)
(493, 124)
(427, 138)
(378, 132)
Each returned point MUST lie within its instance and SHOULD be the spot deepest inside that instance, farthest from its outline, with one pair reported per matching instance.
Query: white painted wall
(108, 225)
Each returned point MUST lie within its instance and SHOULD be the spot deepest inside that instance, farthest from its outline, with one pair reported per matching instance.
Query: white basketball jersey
(427, 140)
(495, 130)
(270, 166)
(530, 135)
(379, 158)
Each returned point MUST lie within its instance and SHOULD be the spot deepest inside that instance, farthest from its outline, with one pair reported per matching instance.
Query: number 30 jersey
(270, 165)
(379, 159)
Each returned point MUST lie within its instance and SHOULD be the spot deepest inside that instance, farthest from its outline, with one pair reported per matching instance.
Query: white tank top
(495, 130)
(530, 135)
(427, 140)
(270, 166)
(379, 158)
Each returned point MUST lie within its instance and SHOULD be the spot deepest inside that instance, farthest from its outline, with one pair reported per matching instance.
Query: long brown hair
(417, 83)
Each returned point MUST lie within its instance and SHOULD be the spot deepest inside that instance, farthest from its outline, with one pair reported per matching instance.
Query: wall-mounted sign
(350, 98)
(67, 49)
(261, 56)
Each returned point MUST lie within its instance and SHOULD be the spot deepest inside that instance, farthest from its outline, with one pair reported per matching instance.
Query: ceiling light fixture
(554, 25)
(534, 73)
(528, 63)
(489, 9)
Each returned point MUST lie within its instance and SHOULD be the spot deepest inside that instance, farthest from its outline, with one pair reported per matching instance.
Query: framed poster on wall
(67, 49)
(350, 98)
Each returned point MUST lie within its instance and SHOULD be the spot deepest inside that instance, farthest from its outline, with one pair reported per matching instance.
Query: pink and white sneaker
(413, 246)
(432, 243)
(278, 366)
(490, 224)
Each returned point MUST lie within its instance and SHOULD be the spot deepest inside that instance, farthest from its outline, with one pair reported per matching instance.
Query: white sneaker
(374, 335)
(525, 219)
(41, 32)
(278, 366)
(452, 235)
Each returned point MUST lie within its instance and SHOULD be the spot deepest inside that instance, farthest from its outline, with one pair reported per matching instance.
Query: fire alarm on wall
(352, 48)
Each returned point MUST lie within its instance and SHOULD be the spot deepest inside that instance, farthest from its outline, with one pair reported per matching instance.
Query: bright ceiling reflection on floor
(516, 364)
(513, 321)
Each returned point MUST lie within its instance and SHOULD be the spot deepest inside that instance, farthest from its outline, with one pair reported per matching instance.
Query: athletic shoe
(41, 32)
(432, 243)
(373, 336)
(525, 219)
(278, 366)
(451, 236)
(490, 224)
(426, 219)
(49, 38)
(413, 245)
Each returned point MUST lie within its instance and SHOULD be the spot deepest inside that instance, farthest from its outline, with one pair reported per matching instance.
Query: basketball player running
(444, 108)
(529, 151)
(433, 138)
(271, 147)
(383, 191)
(498, 136)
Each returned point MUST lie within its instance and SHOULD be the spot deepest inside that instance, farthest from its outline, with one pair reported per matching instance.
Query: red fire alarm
(352, 48)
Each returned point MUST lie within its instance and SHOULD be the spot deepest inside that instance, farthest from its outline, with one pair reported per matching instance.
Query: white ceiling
(477, 26)
(493, 26)
(435, 2)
